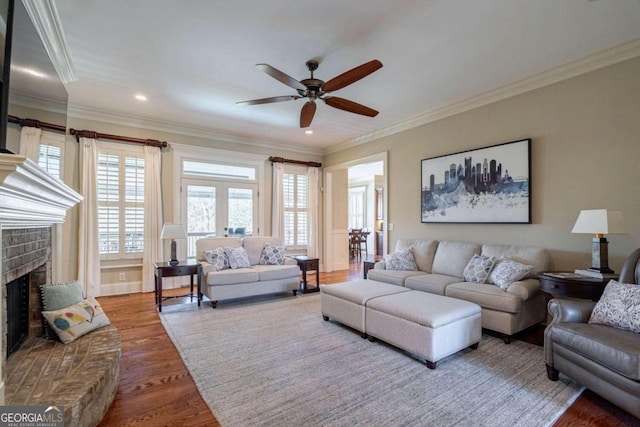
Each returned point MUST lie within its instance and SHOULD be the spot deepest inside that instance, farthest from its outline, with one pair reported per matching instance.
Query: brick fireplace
(33, 207)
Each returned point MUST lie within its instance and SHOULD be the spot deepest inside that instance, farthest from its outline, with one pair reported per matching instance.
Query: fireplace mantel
(29, 196)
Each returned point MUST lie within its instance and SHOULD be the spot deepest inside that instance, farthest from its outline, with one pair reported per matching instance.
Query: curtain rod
(35, 123)
(273, 159)
(92, 134)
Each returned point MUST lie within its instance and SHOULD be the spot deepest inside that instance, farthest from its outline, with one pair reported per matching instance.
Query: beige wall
(585, 135)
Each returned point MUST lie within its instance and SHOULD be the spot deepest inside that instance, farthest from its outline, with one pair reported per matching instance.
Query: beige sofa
(440, 271)
(243, 282)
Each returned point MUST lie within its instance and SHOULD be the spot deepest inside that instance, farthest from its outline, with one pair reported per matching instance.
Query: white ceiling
(194, 59)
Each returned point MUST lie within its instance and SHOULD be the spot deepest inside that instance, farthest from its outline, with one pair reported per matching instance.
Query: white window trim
(298, 170)
(133, 150)
(183, 152)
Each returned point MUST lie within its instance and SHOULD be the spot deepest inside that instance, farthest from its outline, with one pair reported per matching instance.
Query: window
(296, 209)
(50, 155)
(356, 207)
(120, 204)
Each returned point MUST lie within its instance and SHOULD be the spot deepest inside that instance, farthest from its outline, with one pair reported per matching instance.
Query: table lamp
(600, 222)
(173, 232)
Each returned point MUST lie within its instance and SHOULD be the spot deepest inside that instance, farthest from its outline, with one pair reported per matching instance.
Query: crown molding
(575, 68)
(175, 128)
(45, 18)
(24, 100)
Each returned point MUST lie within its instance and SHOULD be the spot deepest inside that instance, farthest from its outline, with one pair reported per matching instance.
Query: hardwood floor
(156, 388)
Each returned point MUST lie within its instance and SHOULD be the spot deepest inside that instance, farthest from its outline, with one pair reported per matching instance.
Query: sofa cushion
(531, 255)
(254, 246)
(478, 268)
(237, 257)
(276, 272)
(432, 283)
(619, 307)
(485, 295)
(217, 258)
(232, 277)
(507, 271)
(210, 243)
(395, 277)
(617, 349)
(401, 260)
(452, 257)
(272, 255)
(423, 251)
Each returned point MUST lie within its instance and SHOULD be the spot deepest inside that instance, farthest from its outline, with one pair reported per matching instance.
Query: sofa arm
(380, 265)
(525, 289)
(570, 310)
(290, 261)
(206, 267)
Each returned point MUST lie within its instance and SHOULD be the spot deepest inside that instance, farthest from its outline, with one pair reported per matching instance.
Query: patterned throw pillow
(238, 257)
(478, 268)
(272, 255)
(56, 296)
(507, 271)
(70, 323)
(217, 258)
(618, 307)
(401, 260)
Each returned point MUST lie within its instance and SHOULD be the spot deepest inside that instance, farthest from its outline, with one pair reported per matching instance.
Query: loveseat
(440, 269)
(254, 279)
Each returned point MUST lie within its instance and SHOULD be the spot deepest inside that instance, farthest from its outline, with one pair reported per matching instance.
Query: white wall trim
(572, 69)
(44, 15)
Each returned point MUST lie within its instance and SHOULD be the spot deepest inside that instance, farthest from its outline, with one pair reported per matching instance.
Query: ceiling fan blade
(281, 77)
(268, 100)
(350, 106)
(307, 113)
(351, 76)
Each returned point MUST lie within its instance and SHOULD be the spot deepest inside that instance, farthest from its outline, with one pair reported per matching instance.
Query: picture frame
(489, 185)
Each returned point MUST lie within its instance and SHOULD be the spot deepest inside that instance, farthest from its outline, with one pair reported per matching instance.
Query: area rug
(277, 363)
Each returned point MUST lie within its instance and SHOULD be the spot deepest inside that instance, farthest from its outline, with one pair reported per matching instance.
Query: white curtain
(152, 216)
(314, 197)
(277, 207)
(88, 249)
(30, 142)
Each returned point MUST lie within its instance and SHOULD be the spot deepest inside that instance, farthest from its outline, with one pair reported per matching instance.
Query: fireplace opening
(17, 313)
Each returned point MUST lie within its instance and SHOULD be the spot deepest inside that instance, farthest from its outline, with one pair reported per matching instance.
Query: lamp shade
(599, 221)
(173, 231)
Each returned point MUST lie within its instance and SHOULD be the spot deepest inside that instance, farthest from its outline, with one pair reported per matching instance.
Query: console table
(308, 264)
(571, 285)
(182, 268)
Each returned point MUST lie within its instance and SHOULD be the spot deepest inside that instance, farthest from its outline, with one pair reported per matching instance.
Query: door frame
(331, 263)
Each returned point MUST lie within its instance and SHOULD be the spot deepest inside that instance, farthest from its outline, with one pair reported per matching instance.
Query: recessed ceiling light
(308, 132)
(141, 97)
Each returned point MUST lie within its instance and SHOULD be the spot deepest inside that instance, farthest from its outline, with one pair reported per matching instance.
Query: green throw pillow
(59, 295)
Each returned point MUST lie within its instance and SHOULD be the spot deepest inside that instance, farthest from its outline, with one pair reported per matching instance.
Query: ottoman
(428, 325)
(345, 302)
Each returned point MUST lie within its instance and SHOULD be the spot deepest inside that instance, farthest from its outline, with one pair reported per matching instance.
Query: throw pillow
(401, 260)
(217, 258)
(507, 271)
(238, 257)
(619, 307)
(272, 255)
(478, 268)
(74, 321)
(56, 296)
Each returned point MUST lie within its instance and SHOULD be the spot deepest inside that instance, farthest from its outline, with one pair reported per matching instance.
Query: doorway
(337, 180)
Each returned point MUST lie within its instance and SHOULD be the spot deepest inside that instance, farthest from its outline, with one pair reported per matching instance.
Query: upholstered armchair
(604, 359)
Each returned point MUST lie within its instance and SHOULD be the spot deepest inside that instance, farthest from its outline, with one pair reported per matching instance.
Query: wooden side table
(307, 264)
(571, 285)
(368, 263)
(183, 268)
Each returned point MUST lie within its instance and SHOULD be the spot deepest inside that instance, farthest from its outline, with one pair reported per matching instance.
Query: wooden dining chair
(355, 240)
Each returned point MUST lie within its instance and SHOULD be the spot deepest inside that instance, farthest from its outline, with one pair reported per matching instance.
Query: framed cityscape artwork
(486, 185)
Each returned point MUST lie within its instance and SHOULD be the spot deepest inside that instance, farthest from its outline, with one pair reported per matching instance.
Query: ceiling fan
(314, 89)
